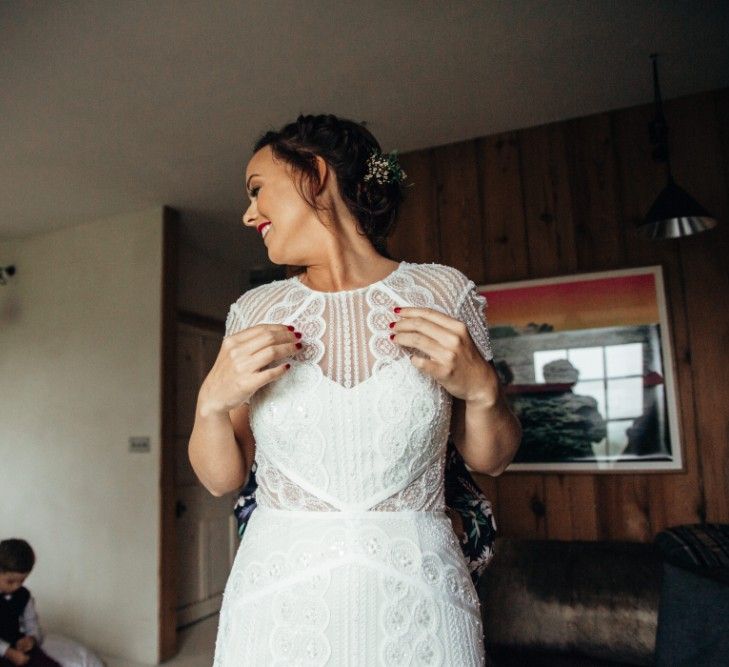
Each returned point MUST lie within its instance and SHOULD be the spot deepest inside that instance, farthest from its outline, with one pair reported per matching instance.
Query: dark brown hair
(16, 556)
(345, 145)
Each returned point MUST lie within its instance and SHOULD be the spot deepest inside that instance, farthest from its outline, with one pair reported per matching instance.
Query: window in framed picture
(588, 367)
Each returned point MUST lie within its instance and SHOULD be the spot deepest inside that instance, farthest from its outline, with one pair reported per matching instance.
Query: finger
(271, 374)
(435, 331)
(261, 336)
(427, 366)
(420, 342)
(254, 332)
(271, 353)
(430, 315)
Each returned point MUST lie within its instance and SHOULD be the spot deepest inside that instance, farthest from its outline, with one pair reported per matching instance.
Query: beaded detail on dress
(350, 552)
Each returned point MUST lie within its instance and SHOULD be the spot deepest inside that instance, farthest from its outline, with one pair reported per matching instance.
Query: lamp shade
(674, 214)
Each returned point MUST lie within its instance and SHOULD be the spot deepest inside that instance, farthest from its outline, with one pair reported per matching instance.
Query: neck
(348, 261)
(348, 270)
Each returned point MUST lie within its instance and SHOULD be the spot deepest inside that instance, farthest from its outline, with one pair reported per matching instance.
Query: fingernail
(288, 365)
(392, 336)
(298, 345)
(298, 334)
(289, 327)
(396, 309)
(392, 324)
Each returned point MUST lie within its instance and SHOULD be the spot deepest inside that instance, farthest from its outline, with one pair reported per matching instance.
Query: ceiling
(113, 107)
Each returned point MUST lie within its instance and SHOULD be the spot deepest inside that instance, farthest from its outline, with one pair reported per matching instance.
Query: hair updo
(346, 147)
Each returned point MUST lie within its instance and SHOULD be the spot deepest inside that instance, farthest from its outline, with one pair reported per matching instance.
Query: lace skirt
(349, 589)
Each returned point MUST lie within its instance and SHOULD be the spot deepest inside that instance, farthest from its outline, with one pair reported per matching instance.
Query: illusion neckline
(297, 278)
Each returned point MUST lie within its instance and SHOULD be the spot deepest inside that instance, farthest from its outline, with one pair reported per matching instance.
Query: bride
(342, 383)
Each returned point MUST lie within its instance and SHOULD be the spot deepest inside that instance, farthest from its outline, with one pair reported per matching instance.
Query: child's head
(16, 562)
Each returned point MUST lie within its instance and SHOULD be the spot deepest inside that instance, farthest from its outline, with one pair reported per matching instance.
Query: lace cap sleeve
(235, 321)
(472, 312)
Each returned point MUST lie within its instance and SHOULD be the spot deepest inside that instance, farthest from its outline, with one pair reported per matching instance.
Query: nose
(249, 217)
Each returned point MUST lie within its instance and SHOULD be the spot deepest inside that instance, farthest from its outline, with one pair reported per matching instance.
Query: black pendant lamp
(675, 213)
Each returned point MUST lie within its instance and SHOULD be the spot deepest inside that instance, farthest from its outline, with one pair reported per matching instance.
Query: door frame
(167, 569)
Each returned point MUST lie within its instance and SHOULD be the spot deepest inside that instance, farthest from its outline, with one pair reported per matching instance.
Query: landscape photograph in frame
(587, 365)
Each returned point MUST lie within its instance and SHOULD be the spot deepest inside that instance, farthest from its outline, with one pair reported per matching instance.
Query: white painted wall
(80, 352)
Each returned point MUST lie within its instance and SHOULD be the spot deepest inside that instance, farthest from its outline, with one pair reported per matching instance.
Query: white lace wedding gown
(349, 558)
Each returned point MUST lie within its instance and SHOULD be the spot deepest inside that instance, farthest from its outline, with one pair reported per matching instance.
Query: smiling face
(11, 581)
(295, 233)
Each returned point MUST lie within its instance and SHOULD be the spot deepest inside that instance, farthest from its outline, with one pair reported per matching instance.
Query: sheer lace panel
(275, 489)
(353, 424)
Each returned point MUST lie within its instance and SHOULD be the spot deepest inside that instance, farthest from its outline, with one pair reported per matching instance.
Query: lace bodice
(353, 424)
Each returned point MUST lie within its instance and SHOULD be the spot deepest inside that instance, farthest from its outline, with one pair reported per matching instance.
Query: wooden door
(207, 538)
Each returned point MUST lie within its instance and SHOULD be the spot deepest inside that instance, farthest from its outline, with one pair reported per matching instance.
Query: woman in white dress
(343, 383)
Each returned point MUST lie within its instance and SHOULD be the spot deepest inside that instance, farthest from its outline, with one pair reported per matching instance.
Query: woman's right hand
(236, 373)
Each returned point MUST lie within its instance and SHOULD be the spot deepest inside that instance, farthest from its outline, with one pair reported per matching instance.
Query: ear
(323, 168)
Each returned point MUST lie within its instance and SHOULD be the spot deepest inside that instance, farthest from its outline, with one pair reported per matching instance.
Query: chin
(283, 258)
(280, 260)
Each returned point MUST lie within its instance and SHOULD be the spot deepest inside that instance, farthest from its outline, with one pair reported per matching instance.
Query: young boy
(20, 633)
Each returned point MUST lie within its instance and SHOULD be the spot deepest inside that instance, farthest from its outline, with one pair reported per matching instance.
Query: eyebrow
(249, 180)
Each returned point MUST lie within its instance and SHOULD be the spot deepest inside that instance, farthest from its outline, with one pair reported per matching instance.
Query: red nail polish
(397, 309)
(297, 334)
(298, 346)
(288, 365)
(289, 327)
(392, 336)
(392, 324)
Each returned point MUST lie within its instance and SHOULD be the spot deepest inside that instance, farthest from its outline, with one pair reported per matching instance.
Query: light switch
(139, 444)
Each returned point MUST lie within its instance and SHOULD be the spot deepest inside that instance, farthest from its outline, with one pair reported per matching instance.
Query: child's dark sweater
(11, 611)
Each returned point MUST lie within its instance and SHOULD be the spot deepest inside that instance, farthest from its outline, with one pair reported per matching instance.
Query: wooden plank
(503, 233)
(503, 228)
(547, 201)
(572, 502)
(415, 236)
(699, 167)
(572, 507)
(599, 233)
(672, 497)
(459, 208)
(550, 250)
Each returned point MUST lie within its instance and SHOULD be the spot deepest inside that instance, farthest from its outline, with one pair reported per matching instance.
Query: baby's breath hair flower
(384, 168)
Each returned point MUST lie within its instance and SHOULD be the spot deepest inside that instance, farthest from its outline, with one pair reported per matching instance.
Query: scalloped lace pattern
(350, 558)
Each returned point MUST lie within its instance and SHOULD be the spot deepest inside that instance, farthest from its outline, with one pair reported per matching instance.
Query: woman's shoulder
(251, 306)
(265, 293)
(447, 279)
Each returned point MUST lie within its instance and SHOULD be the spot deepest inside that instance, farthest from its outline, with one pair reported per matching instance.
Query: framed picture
(587, 363)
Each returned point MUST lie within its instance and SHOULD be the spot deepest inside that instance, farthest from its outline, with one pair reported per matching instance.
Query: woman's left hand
(454, 362)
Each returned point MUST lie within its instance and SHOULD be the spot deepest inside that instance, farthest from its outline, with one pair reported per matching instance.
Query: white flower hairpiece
(384, 168)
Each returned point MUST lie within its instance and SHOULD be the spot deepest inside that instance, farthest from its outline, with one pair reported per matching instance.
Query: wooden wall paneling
(550, 249)
(547, 201)
(502, 208)
(698, 166)
(572, 499)
(416, 237)
(674, 497)
(503, 233)
(599, 229)
(459, 208)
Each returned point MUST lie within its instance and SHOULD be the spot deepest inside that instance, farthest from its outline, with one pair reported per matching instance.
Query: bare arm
(485, 431)
(221, 447)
